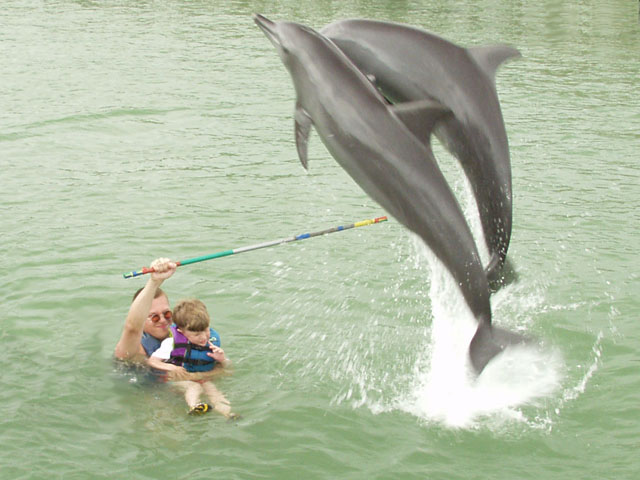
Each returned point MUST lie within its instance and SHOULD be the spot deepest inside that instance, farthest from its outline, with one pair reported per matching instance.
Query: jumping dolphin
(410, 64)
(369, 140)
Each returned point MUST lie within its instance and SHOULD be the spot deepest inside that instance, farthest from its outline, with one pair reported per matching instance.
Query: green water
(136, 129)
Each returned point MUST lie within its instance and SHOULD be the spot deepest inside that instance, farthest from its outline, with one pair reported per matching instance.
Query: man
(149, 317)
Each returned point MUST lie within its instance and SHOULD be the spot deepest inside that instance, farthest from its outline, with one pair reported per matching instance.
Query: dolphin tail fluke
(488, 342)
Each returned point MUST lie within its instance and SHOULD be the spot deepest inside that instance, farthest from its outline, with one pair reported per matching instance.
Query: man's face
(157, 324)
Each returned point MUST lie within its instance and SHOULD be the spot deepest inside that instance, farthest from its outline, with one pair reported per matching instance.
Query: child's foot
(232, 417)
(200, 409)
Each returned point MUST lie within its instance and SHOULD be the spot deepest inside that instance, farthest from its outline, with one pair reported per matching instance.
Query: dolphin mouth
(268, 27)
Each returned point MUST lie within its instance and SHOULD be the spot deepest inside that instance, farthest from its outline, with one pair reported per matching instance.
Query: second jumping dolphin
(408, 64)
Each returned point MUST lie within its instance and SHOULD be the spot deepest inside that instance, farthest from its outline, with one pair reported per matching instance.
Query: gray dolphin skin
(371, 141)
(409, 64)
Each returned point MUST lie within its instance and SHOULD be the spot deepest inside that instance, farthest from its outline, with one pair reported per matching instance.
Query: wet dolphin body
(368, 139)
(410, 64)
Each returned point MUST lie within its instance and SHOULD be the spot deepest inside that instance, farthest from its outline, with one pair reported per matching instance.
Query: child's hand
(216, 353)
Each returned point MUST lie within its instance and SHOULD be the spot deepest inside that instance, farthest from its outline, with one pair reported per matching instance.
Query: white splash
(574, 392)
(445, 389)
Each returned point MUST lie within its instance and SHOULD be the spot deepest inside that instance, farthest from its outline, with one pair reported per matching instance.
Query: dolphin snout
(261, 19)
(266, 25)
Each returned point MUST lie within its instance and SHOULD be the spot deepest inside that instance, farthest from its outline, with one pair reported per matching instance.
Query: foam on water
(445, 389)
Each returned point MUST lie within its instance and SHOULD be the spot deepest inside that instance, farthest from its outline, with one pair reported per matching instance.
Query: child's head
(192, 315)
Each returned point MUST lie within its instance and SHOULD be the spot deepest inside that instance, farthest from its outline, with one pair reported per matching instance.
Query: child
(195, 347)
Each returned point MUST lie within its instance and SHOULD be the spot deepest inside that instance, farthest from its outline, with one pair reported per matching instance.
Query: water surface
(131, 130)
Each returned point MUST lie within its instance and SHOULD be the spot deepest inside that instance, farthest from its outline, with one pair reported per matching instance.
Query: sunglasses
(155, 318)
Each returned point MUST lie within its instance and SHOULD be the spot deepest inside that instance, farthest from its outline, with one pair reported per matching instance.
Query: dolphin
(371, 141)
(408, 64)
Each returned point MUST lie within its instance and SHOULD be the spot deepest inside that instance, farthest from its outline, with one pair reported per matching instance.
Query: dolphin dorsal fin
(490, 57)
(420, 116)
(302, 130)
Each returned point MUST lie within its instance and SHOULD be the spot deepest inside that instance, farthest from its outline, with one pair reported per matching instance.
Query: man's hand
(217, 372)
(178, 374)
(163, 269)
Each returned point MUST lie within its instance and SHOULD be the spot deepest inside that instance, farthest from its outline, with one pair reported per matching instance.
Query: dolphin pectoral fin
(420, 117)
(302, 128)
(491, 57)
(488, 342)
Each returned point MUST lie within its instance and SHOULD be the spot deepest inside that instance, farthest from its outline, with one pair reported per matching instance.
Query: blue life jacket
(192, 357)
(149, 343)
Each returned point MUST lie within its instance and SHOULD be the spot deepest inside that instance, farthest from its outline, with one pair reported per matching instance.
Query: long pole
(226, 253)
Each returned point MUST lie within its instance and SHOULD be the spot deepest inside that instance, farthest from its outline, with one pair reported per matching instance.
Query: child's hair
(191, 314)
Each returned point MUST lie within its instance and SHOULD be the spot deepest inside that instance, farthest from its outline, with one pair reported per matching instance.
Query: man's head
(160, 315)
(192, 319)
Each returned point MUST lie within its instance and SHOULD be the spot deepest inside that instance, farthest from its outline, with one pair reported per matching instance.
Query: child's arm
(218, 355)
